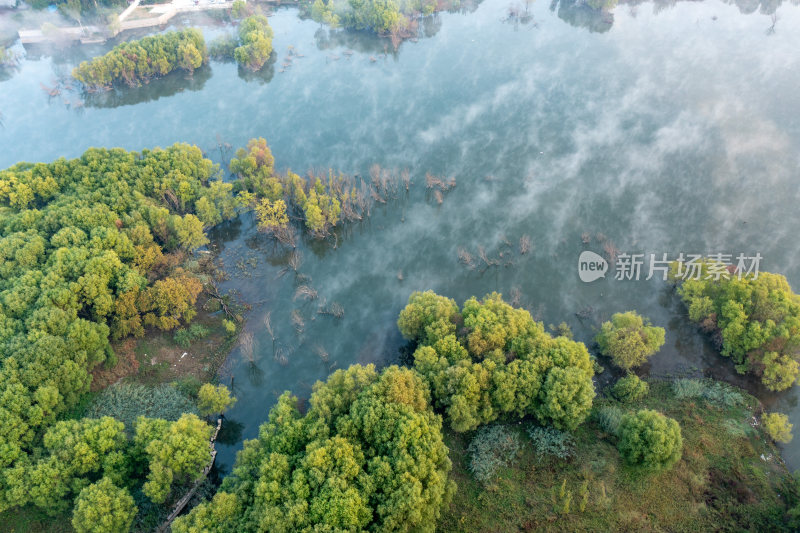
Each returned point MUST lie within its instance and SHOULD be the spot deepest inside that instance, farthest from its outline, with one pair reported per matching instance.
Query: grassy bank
(730, 478)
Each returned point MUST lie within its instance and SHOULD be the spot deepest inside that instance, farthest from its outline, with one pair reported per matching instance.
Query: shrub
(550, 441)
(629, 339)
(688, 388)
(492, 448)
(229, 325)
(650, 439)
(718, 393)
(630, 389)
(184, 337)
(777, 427)
(723, 394)
(127, 401)
(609, 418)
(188, 385)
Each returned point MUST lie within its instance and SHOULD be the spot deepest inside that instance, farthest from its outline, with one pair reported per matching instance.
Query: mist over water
(673, 131)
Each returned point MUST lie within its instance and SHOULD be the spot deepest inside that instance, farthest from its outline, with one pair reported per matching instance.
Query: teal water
(667, 129)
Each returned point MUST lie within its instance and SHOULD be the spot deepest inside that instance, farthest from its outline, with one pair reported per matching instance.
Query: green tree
(137, 61)
(189, 230)
(102, 507)
(239, 9)
(754, 320)
(189, 57)
(650, 439)
(499, 362)
(214, 400)
(367, 455)
(630, 388)
(255, 38)
(174, 450)
(629, 339)
(777, 427)
(425, 312)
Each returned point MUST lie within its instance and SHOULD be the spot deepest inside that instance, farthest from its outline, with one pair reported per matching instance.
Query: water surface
(667, 129)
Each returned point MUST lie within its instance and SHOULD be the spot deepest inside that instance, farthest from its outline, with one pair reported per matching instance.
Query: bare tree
(297, 321)
(524, 244)
(247, 345)
(306, 292)
(465, 257)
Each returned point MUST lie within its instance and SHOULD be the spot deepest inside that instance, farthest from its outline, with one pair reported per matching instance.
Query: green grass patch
(721, 482)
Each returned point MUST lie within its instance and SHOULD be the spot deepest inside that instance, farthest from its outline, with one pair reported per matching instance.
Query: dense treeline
(78, 7)
(491, 360)
(368, 455)
(89, 250)
(753, 320)
(138, 61)
(381, 16)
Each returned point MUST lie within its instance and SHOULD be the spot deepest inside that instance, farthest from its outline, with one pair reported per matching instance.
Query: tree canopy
(88, 249)
(136, 62)
(380, 16)
(102, 507)
(367, 456)
(492, 360)
(650, 439)
(629, 340)
(255, 42)
(753, 320)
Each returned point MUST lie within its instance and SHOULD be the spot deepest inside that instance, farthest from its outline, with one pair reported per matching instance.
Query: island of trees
(137, 62)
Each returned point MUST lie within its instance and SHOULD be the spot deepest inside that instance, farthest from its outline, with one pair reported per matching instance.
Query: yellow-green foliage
(82, 258)
(102, 507)
(317, 202)
(756, 322)
(650, 439)
(367, 456)
(629, 339)
(500, 363)
(255, 42)
(150, 57)
(777, 427)
(214, 400)
(375, 15)
(630, 388)
(175, 451)
(427, 317)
